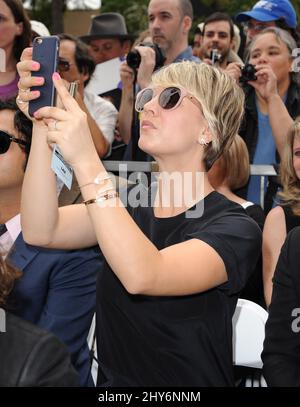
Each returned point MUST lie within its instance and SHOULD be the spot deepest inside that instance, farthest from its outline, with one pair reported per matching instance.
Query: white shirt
(104, 113)
(8, 238)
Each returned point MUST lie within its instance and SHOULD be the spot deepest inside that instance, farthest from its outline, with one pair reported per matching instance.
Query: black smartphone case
(45, 51)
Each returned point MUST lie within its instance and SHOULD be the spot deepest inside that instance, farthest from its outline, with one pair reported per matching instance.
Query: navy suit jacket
(57, 292)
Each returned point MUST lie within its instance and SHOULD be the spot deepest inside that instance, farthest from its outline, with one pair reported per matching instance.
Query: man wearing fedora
(108, 37)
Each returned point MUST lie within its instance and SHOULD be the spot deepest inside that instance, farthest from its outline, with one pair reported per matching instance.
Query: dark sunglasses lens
(169, 98)
(63, 65)
(4, 142)
(143, 98)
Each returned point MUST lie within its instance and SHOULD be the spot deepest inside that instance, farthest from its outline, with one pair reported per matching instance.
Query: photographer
(171, 34)
(272, 101)
(218, 42)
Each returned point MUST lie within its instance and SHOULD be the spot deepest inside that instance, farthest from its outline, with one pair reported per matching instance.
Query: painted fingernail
(56, 76)
(35, 65)
(36, 114)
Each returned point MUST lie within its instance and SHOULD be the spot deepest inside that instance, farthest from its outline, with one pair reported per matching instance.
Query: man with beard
(217, 43)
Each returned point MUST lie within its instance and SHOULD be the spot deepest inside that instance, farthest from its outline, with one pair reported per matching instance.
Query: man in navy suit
(58, 288)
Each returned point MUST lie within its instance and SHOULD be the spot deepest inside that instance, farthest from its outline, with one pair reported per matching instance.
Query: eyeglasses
(6, 139)
(64, 65)
(255, 27)
(168, 99)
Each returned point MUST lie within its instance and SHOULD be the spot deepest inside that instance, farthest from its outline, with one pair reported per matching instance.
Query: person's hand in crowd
(234, 70)
(68, 128)
(266, 83)
(146, 67)
(127, 76)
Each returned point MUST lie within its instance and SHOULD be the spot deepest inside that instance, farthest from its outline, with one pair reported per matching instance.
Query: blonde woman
(174, 268)
(286, 216)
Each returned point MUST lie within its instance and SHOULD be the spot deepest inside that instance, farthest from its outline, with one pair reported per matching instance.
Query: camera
(215, 56)
(248, 73)
(133, 58)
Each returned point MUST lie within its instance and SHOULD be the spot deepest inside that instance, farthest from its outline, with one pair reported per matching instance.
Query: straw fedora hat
(108, 25)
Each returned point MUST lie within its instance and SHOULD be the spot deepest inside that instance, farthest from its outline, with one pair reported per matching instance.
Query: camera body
(248, 73)
(215, 56)
(133, 58)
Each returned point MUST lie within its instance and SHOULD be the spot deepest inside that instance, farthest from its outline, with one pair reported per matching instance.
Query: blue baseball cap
(271, 10)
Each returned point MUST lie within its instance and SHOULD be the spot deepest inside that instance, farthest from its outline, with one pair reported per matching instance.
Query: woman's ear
(19, 29)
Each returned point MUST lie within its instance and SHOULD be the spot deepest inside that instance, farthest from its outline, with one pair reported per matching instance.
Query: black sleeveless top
(291, 220)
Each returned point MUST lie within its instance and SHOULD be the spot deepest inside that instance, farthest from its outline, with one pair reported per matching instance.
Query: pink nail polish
(35, 65)
(56, 76)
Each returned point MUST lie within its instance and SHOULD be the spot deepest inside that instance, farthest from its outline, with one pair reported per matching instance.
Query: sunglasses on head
(168, 99)
(6, 139)
(63, 65)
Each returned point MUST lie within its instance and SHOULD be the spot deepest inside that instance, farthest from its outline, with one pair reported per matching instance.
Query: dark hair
(186, 8)
(84, 61)
(295, 32)
(20, 16)
(8, 275)
(197, 31)
(22, 124)
(218, 16)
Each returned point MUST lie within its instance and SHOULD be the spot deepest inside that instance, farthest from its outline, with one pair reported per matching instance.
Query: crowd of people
(161, 264)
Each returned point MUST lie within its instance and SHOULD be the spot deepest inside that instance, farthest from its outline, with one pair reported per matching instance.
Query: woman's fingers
(26, 54)
(68, 101)
(51, 113)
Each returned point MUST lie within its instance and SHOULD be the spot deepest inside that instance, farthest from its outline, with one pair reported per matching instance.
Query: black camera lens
(133, 58)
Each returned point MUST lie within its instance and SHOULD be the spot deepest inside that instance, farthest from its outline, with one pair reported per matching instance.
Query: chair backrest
(248, 325)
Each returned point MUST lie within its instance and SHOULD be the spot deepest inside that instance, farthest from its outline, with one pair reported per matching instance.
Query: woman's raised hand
(68, 128)
(26, 81)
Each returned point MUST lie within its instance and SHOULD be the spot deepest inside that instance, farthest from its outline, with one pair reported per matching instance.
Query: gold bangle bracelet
(102, 198)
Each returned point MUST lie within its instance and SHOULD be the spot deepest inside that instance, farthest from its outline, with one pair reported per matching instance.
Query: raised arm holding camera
(272, 101)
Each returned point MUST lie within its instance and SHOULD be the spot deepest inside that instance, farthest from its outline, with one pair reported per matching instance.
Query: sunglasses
(63, 65)
(168, 99)
(6, 139)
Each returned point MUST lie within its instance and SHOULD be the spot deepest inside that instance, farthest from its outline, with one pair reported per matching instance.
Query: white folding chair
(248, 324)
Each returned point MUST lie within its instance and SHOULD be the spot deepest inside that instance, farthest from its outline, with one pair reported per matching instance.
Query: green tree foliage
(134, 11)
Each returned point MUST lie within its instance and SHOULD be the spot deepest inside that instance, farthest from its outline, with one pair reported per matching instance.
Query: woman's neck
(224, 190)
(179, 191)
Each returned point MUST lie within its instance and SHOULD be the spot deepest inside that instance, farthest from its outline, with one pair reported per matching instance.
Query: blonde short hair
(234, 164)
(290, 194)
(221, 98)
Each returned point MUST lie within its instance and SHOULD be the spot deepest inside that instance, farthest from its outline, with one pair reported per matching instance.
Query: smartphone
(45, 51)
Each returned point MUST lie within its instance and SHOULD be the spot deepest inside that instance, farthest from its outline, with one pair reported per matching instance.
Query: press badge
(58, 164)
(61, 168)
